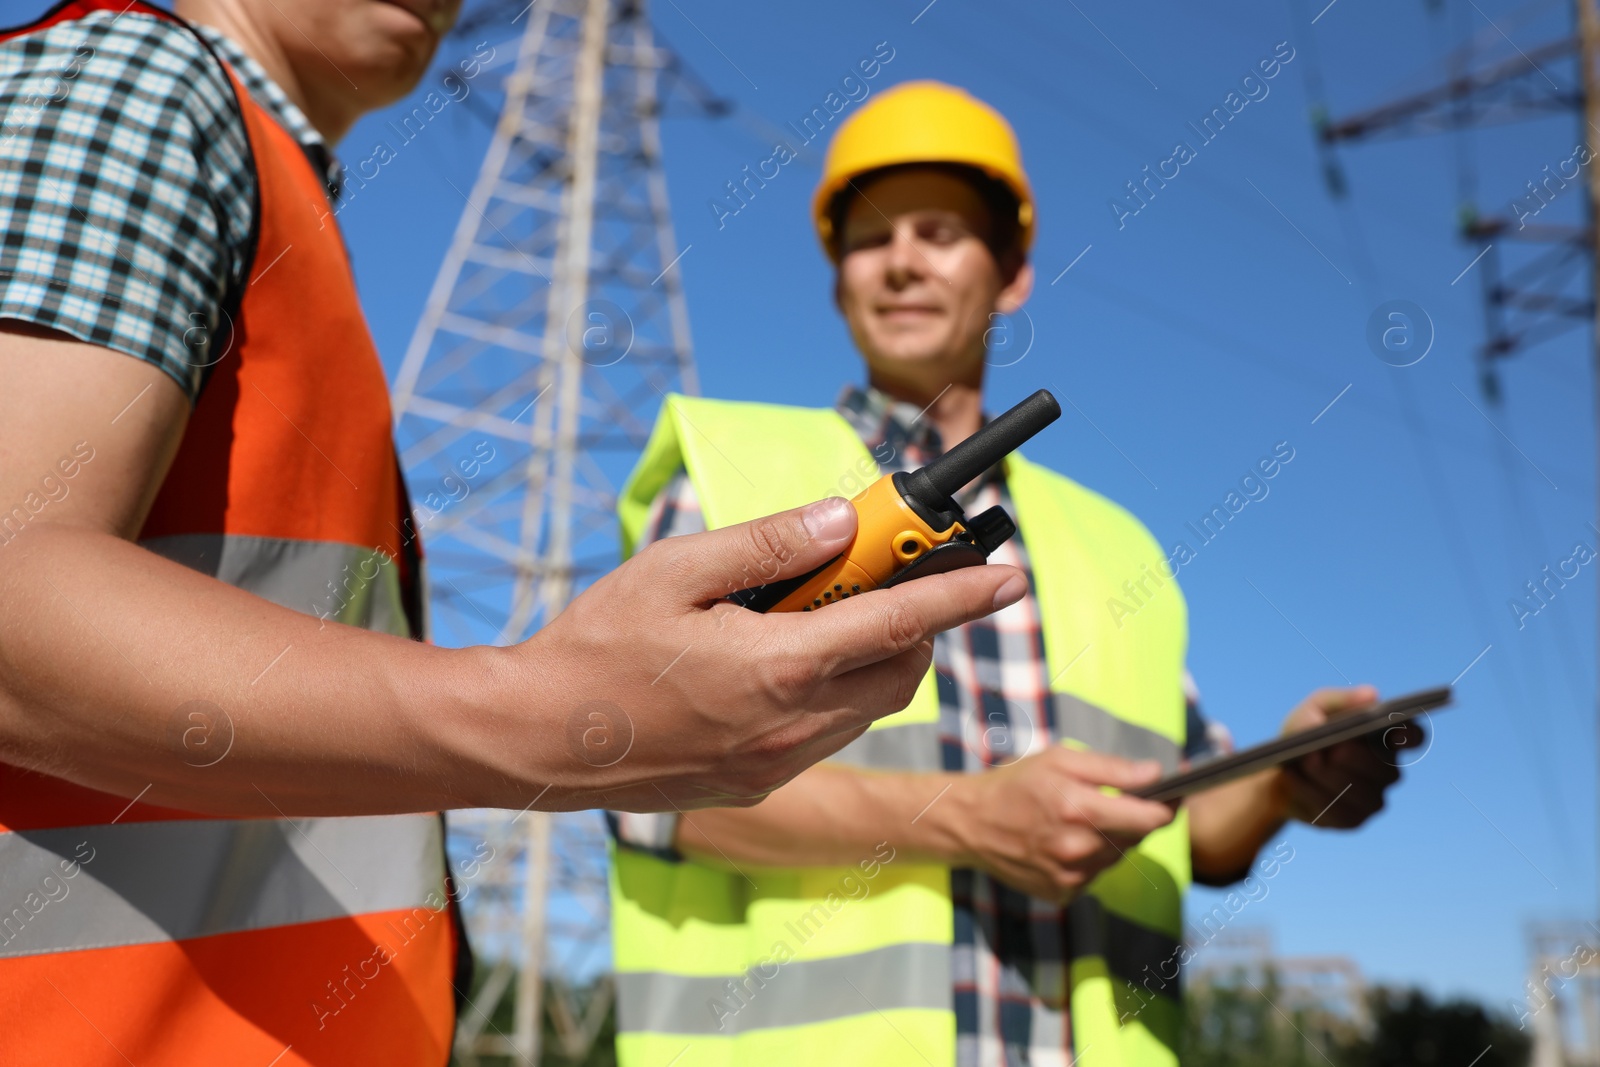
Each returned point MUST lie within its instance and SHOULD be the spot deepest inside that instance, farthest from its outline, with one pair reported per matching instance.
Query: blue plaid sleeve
(126, 188)
(1205, 740)
(674, 512)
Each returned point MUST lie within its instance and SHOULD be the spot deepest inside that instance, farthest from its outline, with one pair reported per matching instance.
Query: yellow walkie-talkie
(908, 523)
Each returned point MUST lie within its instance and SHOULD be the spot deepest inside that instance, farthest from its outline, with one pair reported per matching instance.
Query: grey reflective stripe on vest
(911, 975)
(1104, 732)
(136, 883)
(329, 579)
(1140, 956)
(915, 746)
(912, 747)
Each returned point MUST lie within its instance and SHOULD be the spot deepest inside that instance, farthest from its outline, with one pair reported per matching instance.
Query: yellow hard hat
(922, 122)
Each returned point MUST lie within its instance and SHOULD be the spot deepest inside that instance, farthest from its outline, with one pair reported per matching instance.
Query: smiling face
(918, 281)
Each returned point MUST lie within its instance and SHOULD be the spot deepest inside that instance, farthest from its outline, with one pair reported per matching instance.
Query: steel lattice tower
(555, 325)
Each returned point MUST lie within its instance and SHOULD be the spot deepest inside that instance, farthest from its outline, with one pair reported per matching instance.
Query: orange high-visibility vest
(161, 937)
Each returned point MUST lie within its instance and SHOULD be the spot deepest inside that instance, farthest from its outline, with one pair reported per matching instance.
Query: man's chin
(917, 374)
(407, 23)
(905, 340)
(393, 58)
(904, 353)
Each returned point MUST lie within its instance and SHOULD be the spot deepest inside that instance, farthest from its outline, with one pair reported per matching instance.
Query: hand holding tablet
(1384, 716)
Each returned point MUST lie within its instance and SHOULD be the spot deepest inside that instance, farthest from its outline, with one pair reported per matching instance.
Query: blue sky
(1218, 321)
(1224, 317)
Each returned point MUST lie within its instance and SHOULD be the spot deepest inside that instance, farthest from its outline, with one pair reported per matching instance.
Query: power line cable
(1445, 516)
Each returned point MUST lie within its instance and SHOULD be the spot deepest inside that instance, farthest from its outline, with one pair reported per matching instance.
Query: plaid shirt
(1010, 950)
(127, 194)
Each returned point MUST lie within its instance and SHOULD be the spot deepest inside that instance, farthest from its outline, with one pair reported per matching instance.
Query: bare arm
(831, 815)
(1041, 824)
(105, 641)
(102, 643)
(1228, 825)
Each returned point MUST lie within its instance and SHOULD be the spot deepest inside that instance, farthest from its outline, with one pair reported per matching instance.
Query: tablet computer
(1383, 716)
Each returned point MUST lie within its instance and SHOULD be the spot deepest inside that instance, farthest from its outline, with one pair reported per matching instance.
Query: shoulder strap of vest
(1095, 547)
(714, 440)
(233, 299)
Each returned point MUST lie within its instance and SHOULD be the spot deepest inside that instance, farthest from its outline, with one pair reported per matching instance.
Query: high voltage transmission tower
(1535, 288)
(555, 325)
(1562, 991)
(1539, 281)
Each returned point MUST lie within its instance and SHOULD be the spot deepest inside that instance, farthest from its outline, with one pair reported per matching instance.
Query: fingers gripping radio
(909, 524)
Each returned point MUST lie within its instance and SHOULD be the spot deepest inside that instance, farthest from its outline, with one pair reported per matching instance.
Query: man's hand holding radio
(675, 699)
(647, 692)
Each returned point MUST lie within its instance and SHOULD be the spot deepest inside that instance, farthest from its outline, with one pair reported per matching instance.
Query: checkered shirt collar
(882, 420)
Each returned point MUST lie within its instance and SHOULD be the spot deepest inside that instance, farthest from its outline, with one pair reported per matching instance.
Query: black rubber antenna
(939, 480)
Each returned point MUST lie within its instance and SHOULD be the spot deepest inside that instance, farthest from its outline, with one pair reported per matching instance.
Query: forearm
(1228, 825)
(114, 641)
(1041, 825)
(832, 815)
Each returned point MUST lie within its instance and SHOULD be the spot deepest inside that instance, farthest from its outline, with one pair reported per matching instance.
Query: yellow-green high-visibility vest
(772, 967)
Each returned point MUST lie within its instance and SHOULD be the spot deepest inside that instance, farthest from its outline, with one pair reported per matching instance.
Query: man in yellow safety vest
(954, 887)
